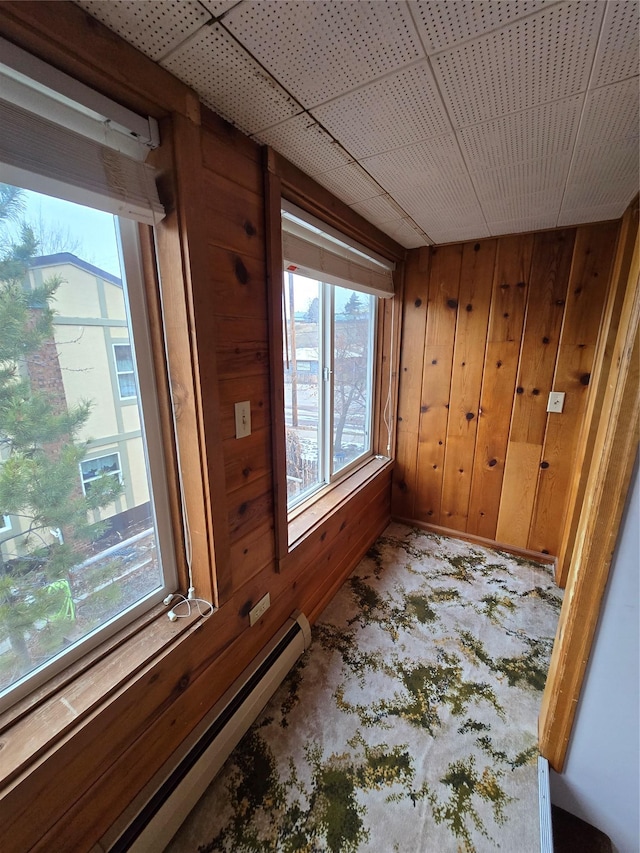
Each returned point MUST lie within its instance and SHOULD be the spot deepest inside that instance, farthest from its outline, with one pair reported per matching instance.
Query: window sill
(304, 522)
(32, 727)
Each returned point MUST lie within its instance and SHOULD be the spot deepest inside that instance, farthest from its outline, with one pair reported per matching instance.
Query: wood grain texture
(615, 451)
(442, 314)
(506, 320)
(584, 304)
(490, 460)
(474, 300)
(414, 316)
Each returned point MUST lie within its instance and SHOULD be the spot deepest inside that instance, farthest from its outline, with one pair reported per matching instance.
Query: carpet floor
(410, 723)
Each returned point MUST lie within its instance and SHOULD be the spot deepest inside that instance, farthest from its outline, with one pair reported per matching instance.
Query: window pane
(82, 548)
(352, 367)
(302, 386)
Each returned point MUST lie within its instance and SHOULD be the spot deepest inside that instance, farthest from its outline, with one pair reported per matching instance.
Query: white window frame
(120, 373)
(115, 473)
(6, 523)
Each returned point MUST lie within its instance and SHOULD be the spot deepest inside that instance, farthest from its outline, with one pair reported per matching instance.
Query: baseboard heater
(544, 801)
(154, 817)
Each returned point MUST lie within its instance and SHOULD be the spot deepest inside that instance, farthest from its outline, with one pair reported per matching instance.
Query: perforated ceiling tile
(422, 162)
(610, 113)
(155, 27)
(306, 144)
(544, 57)
(535, 134)
(592, 214)
(518, 226)
(379, 210)
(397, 110)
(444, 24)
(442, 235)
(406, 233)
(534, 205)
(532, 176)
(219, 7)
(617, 55)
(322, 49)
(444, 204)
(600, 175)
(350, 183)
(229, 81)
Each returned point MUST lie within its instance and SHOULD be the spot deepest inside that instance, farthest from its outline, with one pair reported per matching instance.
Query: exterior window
(5, 523)
(328, 369)
(81, 559)
(95, 469)
(124, 371)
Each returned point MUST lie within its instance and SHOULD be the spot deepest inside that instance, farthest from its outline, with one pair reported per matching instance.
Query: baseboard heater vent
(156, 814)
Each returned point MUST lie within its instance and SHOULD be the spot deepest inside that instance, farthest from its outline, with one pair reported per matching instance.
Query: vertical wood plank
(416, 292)
(602, 363)
(550, 268)
(615, 451)
(444, 288)
(478, 261)
(273, 225)
(506, 320)
(586, 294)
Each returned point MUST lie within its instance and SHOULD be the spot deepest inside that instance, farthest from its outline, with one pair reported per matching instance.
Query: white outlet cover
(556, 401)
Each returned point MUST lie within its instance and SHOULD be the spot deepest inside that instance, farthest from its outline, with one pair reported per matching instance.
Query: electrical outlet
(260, 609)
(243, 419)
(556, 401)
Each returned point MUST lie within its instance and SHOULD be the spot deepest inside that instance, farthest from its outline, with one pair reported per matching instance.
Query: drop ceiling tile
(542, 58)
(323, 49)
(443, 25)
(437, 205)
(540, 132)
(617, 55)
(441, 235)
(396, 110)
(610, 113)
(517, 226)
(229, 81)
(155, 27)
(532, 176)
(305, 143)
(602, 175)
(379, 210)
(594, 214)
(406, 233)
(534, 205)
(417, 164)
(219, 7)
(350, 183)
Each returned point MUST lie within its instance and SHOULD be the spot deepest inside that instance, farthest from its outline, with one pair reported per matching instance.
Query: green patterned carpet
(410, 724)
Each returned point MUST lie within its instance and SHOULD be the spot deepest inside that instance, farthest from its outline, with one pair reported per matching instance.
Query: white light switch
(243, 419)
(556, 401)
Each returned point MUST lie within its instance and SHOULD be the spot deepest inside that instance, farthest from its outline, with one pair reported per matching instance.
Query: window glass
(124, 371)
(352, 375)
(303, 387)
(82, 555)
(328, 371)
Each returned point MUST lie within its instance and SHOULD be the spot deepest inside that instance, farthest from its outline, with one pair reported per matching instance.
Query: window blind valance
(315, 250)
(80, 151)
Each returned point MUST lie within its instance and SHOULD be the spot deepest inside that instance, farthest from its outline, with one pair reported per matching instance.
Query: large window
(330, 293)
(89, 547)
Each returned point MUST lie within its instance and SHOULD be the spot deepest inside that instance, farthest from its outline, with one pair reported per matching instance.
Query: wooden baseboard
(525, 553)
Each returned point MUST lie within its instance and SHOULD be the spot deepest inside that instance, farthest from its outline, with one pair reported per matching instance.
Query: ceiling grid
(437, 121)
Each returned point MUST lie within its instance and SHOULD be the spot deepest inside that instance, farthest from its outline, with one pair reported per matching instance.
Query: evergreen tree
(39, 462)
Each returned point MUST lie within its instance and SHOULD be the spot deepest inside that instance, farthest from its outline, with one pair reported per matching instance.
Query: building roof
(61, 258)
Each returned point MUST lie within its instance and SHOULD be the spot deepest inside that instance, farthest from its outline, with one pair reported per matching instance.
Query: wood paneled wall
(489, 329)
(66, 791)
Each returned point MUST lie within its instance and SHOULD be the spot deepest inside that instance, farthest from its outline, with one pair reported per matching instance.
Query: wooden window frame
(283, 180)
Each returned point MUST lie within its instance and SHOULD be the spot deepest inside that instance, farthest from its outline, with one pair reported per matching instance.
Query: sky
(95, 229)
